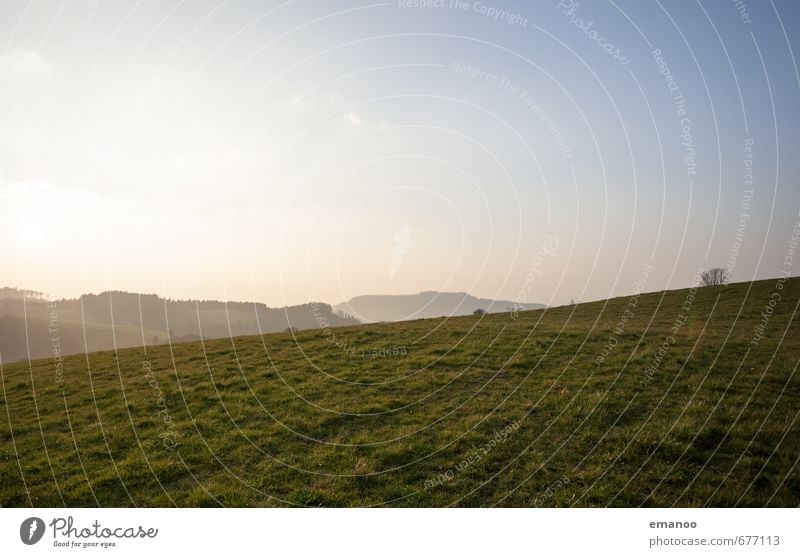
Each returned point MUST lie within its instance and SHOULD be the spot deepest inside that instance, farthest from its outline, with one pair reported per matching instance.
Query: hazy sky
(289, 151)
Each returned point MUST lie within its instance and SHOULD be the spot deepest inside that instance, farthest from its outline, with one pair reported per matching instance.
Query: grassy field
(672, 398)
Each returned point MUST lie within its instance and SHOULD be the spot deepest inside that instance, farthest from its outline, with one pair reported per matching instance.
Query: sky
(284, 152)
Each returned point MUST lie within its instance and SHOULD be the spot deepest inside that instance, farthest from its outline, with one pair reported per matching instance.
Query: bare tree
(715, 276)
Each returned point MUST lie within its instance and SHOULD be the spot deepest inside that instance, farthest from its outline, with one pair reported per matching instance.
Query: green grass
(278, 421)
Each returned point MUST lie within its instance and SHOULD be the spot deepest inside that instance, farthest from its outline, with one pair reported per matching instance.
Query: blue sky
(287, 151)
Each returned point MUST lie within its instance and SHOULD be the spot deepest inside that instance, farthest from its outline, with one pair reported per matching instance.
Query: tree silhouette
(715, 276)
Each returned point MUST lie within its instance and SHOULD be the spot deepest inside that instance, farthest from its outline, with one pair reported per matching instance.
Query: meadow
(679, 398)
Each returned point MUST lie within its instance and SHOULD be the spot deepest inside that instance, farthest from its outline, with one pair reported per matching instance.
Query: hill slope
(404, 307)
(675, 398)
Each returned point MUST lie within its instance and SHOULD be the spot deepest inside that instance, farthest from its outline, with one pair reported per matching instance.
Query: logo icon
(31, 530)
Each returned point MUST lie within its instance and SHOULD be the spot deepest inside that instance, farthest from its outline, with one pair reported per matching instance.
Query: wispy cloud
(354, 119)
(19, 67)
(402, 243)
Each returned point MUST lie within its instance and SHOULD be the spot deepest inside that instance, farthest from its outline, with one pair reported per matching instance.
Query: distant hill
(373, 309)
(123, 319)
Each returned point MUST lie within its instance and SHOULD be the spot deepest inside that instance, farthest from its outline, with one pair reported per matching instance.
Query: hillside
(405, 307)
(31, 327)
(675, 398)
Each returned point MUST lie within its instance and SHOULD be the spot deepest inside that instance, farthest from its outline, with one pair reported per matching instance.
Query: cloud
(23, 66)
(354, 119)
